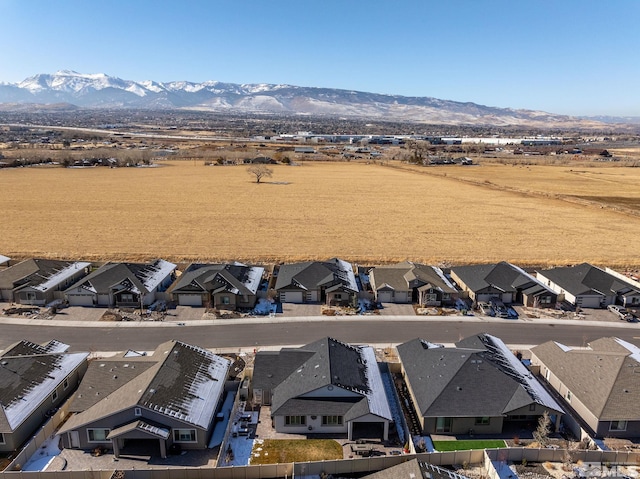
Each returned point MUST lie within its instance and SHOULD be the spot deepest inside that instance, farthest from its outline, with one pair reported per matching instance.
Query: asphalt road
(232, 337)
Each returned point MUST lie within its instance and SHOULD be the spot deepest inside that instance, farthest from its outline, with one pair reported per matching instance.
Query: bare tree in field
(260, 171)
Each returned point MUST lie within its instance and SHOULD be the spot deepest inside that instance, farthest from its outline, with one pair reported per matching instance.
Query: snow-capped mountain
(102, 91)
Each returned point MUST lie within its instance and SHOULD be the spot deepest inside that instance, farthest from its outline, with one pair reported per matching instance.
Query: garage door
(80, 299)
(588, 301)
(291, 296)
(190, 300)
(385, 296)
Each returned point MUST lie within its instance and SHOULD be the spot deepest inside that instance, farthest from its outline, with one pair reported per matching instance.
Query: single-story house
(479, 386)
(35, 379)
(409, 282)
(326, 387)
(587, 286)
(39, 281)
(169, 397)
(223, 286)
(332, 282)
(599, 383)
(504, 281)
(122, 284)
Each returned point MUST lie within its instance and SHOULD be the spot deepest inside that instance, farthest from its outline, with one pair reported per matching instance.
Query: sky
(574, 57)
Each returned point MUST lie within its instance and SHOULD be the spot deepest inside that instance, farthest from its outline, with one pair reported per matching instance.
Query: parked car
(499, 308)
(621, 312)
(486, 309)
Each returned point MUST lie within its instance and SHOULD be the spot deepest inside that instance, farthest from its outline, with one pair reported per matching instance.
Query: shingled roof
(611, 363)
(479, 377)
(141, 277)
(29, 373)
(499, 277)
(325, 363)
(588, 279)
(236, 278)
(41, 274)
(399, 276)
(311, 275)
(179, 380)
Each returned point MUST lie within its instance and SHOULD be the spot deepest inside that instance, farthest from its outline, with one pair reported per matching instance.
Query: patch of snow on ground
(264, 307)
(44, 455)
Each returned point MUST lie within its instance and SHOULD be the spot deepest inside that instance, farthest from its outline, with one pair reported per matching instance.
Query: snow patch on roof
(18, 410)
(566, 349)
(531, 384)
(634, 350)
(440, 273)
(58, 277)
(155, 273)
(376, 396)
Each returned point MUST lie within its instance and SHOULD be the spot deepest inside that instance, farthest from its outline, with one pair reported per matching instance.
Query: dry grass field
(367, 213)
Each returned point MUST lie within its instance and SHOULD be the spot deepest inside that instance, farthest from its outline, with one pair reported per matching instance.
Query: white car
(621, 312)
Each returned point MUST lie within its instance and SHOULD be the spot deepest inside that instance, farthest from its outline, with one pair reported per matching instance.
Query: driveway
(395, 309)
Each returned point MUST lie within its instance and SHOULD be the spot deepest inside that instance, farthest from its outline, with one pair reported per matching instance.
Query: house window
(635, 300)
(332, 420)
(446, 296)
(295, 420)
(98, 435)
(568, 396)
(65, 384)
(618, 426)
(137, 411)
(54, 396)
(225, 300)
(482, 421)
(443, 424)
(2, 438)
(184, 435)
(126, 298)
(532, 407)
(309, 296)
(337, 296)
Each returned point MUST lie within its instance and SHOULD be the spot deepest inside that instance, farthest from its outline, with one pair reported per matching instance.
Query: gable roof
(611, 363)
(311, 275)
(326, 363)
(588, 279)
(479, 377)
(184, 382)
(398, 276)
(138, 277)
(236, 278)
(414, 469)
(40, 274)
(29, 373)
(499, 277)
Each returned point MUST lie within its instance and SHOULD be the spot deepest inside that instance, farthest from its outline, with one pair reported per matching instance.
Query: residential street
(255, 333)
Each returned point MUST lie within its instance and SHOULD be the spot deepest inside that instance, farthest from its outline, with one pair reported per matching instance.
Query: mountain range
(102, 91)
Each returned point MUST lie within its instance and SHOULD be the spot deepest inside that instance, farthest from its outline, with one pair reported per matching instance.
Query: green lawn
(443, 446)
(273, 451)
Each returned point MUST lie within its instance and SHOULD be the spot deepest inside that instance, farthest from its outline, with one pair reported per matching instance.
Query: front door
(74, 439)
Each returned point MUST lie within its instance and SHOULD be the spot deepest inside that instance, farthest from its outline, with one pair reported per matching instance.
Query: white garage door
(385, 296)
(588, 301)
(291, 296)
(190, 300)
(80, 299)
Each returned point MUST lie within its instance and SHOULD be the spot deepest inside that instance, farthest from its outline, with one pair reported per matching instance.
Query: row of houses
(173, 396)
(334, 282)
